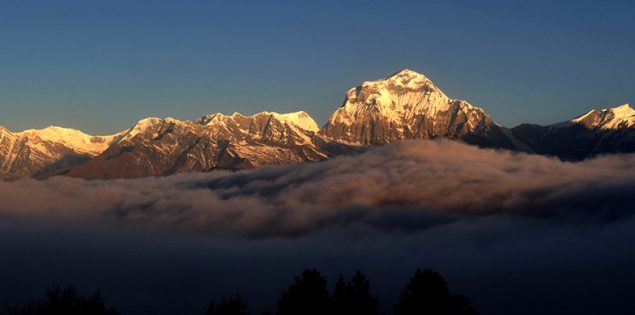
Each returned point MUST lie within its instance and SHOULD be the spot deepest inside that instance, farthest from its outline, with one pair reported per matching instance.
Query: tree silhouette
(463, 306)
(233, 305)
(66, 301)
(354, 297)
(307, 296)
(427, 293)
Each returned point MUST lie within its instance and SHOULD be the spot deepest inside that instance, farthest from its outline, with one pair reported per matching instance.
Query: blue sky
(100, 66)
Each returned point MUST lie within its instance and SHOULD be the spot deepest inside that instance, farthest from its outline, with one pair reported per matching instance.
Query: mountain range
(405, 105)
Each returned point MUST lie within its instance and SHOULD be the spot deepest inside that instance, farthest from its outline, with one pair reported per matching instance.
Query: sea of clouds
(405, 186)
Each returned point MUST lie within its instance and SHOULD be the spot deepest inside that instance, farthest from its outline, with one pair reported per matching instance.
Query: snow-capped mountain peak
(406, 78)
(402, 81)
(611, 118)
(623, 112)
(140, 127)
(298, 119)
(71, 138)
(38, 151)
(398, 97)
(404, 105)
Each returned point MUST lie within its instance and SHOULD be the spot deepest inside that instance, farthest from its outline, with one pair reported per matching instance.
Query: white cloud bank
(406, 186)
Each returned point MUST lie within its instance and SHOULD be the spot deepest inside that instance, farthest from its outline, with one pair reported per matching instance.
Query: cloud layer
(406, 186)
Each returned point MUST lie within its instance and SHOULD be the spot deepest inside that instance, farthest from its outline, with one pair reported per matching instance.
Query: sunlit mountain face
(317, 157)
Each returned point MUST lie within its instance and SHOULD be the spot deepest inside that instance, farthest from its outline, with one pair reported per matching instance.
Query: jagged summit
(398, 98)
(407, 78)
(149, 124)
(622, 116)
(623, 111)
(597, 132)
(36, 151)
(298, 119)
(400, 81)
(163, 146)
(407, 72)
(406, 105)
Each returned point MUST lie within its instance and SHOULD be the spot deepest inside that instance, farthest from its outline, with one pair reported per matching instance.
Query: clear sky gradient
(99, 66)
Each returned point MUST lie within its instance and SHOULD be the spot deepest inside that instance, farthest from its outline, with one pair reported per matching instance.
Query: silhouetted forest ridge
(425, 294)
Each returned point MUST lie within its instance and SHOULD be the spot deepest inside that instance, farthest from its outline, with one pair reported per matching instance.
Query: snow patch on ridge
(611, 118)
(298, 119)
(140, 127)
(71, 138)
